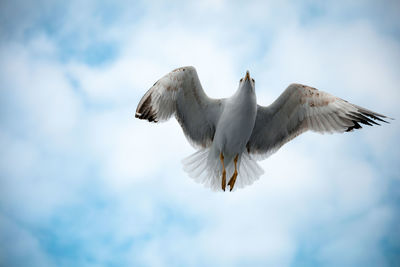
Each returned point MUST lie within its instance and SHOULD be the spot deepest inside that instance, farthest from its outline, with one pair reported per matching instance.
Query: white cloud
(40, 94)
(357, 238)
(88, 135)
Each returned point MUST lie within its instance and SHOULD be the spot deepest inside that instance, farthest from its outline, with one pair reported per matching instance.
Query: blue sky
(83, 183)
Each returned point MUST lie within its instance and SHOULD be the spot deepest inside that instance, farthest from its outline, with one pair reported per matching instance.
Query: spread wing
(180, 93)
(300, 108)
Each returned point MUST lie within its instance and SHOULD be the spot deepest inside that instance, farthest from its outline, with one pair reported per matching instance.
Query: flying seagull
(232, 133)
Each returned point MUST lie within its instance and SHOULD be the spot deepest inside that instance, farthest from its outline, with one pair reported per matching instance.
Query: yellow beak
(247, 77)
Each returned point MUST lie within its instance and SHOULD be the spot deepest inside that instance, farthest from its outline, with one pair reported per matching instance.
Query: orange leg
(221, 157)
(235, 174)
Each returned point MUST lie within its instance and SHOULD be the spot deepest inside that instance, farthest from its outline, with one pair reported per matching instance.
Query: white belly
(235, 126)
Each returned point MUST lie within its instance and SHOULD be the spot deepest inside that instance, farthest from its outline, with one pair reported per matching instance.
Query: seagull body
(232, 133)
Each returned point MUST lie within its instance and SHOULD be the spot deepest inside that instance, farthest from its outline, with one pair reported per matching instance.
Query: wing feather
(300, 108)
(180, 93)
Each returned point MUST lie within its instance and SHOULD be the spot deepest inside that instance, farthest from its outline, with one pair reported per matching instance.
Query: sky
(84, 183)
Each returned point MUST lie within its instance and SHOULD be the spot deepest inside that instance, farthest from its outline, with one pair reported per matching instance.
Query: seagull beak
(247, 77)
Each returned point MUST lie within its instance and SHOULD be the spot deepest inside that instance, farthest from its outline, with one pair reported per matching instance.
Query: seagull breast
(236, 123)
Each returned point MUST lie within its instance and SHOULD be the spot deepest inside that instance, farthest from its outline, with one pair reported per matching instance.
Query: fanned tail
(208, 171)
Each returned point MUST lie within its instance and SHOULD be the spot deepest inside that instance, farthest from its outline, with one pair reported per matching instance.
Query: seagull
(231, 134)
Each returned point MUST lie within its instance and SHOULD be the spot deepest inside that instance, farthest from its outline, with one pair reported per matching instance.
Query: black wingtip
(367, 117)
(146, 116)
(145, 111)
(373, 115)
(355, 126)
(388, 118)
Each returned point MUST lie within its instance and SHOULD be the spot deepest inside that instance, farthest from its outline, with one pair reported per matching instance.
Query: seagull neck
(244, 91)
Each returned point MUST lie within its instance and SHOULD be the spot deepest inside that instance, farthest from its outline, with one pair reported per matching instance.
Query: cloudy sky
(83, 183)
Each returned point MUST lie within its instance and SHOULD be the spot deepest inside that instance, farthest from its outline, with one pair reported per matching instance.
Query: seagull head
(247, 81)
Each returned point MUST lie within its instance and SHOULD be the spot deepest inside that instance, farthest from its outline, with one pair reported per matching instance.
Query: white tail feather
(209, 172)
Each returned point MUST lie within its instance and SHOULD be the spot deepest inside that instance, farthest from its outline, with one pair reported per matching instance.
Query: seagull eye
(241, 80)
(252, 80)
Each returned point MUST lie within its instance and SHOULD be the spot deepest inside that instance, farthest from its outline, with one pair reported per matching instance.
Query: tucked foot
(223, 185)
(232, 181)
(223, 180)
